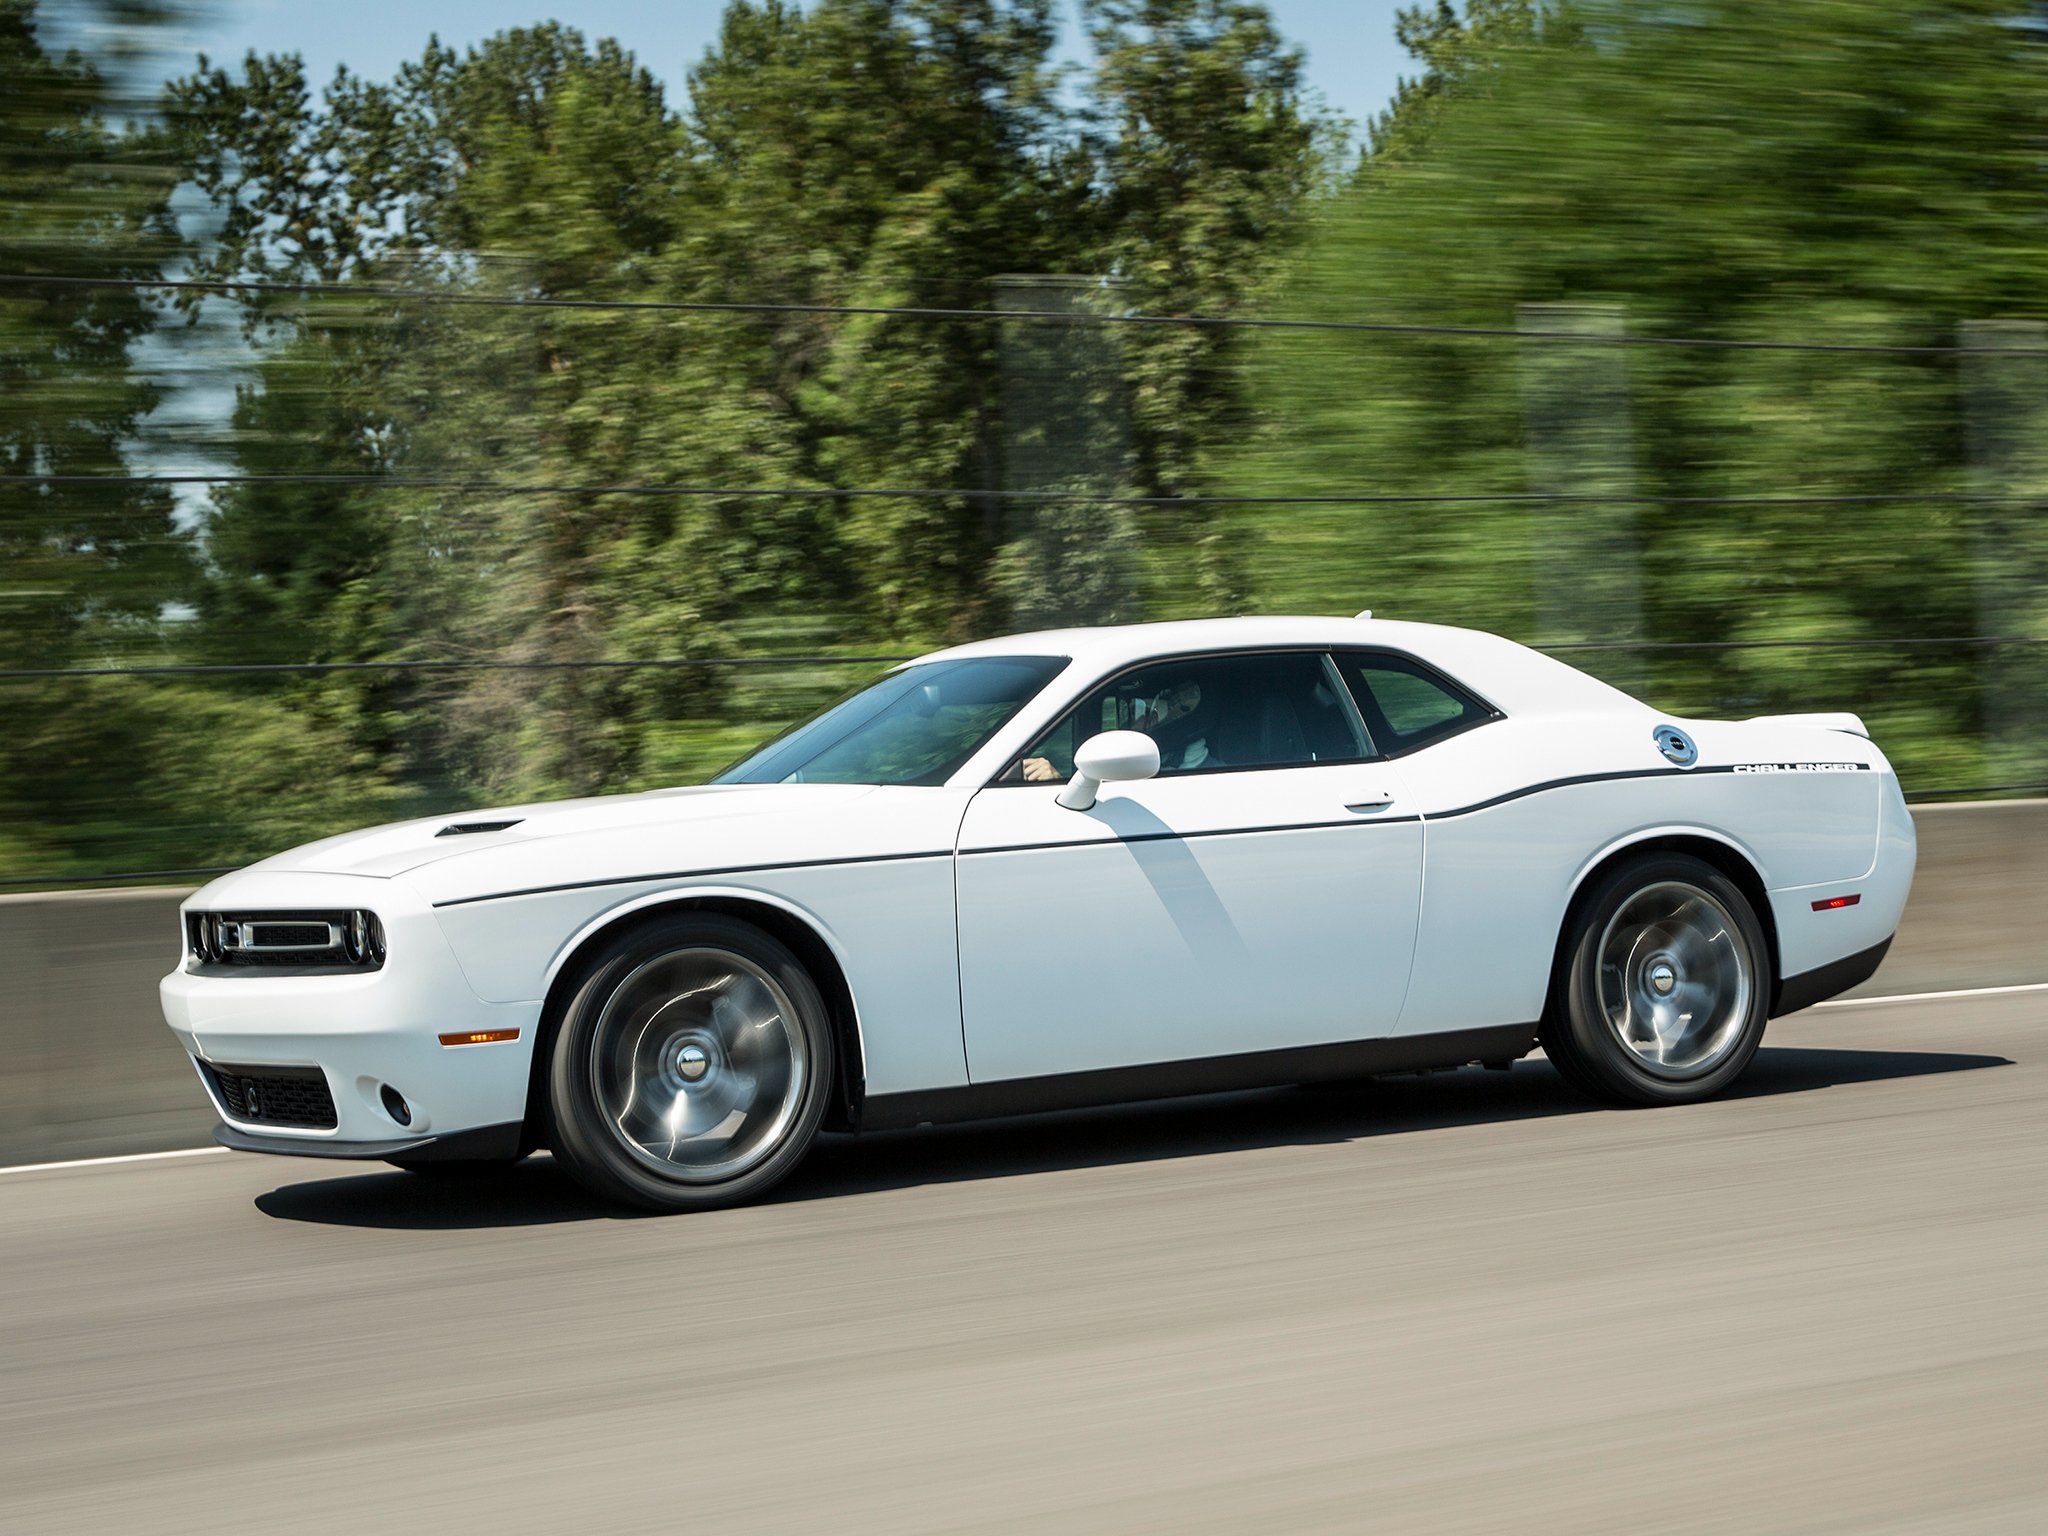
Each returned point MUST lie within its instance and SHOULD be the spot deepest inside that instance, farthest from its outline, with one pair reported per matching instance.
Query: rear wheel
(692, 1068)
(1665, 985)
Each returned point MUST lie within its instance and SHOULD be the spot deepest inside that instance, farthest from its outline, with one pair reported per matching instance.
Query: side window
(1406, 705)
(1209, 714)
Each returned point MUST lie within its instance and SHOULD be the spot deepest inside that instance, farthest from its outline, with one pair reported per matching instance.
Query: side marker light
(480, 1037)
(1831, 904)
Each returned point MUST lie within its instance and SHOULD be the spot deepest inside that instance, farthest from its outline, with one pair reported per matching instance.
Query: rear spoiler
(1852, 724)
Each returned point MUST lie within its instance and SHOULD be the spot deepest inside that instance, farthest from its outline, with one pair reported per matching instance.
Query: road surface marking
(1931, 997)
(101, 1162)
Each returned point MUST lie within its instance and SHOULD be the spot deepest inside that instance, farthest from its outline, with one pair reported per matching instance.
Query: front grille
(291, 960)
(309, 943)
(293, 935)
(294, 1096)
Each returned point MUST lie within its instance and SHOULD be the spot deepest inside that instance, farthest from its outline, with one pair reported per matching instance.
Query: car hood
(404, 846)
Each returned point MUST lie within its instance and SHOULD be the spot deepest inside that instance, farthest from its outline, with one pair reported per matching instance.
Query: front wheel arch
(803, 940)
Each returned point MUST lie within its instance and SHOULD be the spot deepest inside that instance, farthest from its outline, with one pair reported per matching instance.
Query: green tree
(1835, 170)
(531, 167)
(878, 153)
(1207, 155)
(1459, 55)
(85, 570)
(862, 154)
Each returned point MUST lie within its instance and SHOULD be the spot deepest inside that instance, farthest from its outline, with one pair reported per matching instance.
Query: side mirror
(1113, 757)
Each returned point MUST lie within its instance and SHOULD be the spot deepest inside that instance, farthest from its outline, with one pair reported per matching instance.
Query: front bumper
(486, 1142)
(362, 1032)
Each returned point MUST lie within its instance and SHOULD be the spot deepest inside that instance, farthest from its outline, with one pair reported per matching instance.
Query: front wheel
(692, 1068)
(1665, 985)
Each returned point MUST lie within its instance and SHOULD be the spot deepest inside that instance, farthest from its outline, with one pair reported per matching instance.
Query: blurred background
(503, 415)
(404, 410)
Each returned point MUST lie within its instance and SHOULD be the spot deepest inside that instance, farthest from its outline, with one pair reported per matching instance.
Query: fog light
(395, 1105)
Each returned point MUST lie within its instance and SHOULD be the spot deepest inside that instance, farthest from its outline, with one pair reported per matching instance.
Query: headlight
(242, 943)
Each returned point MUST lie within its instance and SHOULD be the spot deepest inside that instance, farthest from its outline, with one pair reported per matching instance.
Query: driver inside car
(1168, 719)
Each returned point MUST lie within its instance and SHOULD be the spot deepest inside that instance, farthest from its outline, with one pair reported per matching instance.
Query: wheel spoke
(1696, 949)
(749, 1029)
(1674, 979)
(697, 1064)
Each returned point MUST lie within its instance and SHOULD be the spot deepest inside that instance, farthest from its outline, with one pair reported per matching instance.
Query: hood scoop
(468, 828)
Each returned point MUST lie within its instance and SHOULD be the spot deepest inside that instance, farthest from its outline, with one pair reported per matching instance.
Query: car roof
(1513, 677)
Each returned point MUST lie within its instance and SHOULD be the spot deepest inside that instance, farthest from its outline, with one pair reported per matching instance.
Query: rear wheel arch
(794, 932)
(1661, 905)
(1723, 856)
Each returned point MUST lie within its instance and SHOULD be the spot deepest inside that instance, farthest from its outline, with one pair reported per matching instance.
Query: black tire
(1663, 985)
(677, 1023)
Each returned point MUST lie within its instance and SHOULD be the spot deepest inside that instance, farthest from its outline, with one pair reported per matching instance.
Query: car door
(1260, 893)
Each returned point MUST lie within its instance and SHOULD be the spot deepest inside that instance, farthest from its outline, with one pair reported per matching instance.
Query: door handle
(1372, 802)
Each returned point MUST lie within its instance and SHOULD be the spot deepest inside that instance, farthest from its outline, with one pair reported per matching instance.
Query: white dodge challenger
(1068, 868)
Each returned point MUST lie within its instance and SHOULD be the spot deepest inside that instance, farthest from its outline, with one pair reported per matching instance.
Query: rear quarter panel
(1518, 813)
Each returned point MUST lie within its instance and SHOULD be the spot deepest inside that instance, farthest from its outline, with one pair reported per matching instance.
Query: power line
(1946, 642)
(1033, 316)
(1977, 789)
(259, 667)
(940, 493)
(1951, 642)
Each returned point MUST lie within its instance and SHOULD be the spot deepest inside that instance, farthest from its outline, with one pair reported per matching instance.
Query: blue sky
(1352, 57)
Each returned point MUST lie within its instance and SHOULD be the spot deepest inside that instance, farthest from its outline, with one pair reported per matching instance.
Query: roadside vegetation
(1846, 172)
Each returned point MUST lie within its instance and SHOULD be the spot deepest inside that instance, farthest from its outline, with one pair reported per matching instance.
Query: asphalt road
(1465, 1302)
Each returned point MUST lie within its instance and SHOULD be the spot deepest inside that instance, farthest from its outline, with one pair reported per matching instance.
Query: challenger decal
(1801, 767)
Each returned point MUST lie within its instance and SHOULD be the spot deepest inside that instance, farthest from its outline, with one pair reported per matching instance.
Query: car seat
(1260, 733)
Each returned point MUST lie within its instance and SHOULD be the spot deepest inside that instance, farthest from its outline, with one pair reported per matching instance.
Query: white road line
(102, 1162)
(1931, 997)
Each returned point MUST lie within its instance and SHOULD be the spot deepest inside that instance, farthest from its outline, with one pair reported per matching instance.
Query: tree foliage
(853, 154)
(1460, 55)
(85, 570)
(1841, 170)
(85, 567)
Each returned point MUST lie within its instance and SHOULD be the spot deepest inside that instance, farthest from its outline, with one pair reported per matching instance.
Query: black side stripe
(901, 858)
(1585, 778)
(1362, 820)
(1109, 842)
(1606, 778)
(697, 874)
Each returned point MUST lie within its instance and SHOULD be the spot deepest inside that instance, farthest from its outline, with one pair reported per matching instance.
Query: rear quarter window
(1407, 705)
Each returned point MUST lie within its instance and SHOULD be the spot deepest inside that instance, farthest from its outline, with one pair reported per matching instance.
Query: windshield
(916, 726)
